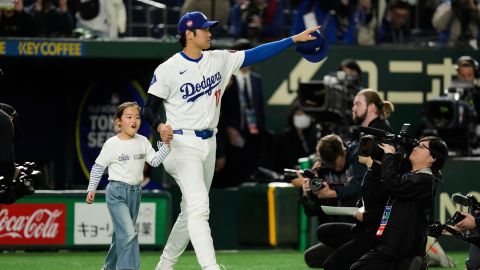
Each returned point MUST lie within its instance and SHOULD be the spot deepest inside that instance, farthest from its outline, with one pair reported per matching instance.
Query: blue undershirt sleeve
(265, 51)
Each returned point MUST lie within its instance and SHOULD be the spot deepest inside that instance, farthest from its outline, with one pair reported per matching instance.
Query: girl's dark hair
(438, 150)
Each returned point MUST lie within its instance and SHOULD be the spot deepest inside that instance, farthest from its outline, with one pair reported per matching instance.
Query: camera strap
(385, 217)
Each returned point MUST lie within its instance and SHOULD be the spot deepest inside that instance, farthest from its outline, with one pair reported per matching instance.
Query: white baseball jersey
(192, 89)
(125, 159)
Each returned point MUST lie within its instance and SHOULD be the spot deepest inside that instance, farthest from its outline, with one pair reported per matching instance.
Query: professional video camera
(473, 236)
(331, 98)
(330, 101)
(22, 185)
(317, 177)
(454, 117)
(402, 142)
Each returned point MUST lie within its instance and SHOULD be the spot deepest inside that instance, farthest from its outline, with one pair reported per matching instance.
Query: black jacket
(412, 194)
(7, 158)
(374, 198)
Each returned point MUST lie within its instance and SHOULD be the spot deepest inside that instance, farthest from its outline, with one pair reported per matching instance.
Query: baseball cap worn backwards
(314, 50)
(194, 20)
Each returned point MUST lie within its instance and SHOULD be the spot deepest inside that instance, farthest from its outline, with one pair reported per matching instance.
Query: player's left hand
(166, 133)
(305, 35)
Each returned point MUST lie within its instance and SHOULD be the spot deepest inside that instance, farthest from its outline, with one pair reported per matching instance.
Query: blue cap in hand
(314, 50)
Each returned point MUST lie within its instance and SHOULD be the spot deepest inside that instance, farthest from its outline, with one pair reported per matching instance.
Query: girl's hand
(90, 197)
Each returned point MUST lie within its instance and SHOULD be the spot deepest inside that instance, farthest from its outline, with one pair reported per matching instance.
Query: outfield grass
(233, 260)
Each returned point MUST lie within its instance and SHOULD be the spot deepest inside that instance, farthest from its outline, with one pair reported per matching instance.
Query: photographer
(350, 241)
(471, 222)
(15, 181)
(402, 233)
(467, 72)
(341, 174)
(8, 118)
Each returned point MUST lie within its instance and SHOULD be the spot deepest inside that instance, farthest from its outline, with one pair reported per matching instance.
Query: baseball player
(189, 87)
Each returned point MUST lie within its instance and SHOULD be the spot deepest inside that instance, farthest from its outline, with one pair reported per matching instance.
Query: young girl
(125, 156)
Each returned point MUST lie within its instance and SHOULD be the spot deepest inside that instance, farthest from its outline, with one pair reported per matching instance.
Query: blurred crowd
(433, 23)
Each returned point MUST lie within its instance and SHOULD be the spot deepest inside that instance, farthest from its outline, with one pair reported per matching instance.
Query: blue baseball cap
(194, 20)
(314, 50)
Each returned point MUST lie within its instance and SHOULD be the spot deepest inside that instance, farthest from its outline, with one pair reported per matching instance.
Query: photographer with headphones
(468, 72)
(454, 115)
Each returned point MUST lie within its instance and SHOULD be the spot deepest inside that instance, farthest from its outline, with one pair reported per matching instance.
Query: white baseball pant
(192, 163)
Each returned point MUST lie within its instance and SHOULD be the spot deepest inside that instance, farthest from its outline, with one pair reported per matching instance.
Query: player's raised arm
(268, 50)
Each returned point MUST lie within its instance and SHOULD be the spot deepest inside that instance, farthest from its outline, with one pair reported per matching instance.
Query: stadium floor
(233, 260)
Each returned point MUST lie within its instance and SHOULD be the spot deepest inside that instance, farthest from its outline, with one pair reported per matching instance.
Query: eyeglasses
(420, 146)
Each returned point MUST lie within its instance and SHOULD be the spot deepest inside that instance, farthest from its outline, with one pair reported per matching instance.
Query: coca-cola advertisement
(32, 224)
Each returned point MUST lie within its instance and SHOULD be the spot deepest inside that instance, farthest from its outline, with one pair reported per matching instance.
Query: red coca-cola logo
(32, 224)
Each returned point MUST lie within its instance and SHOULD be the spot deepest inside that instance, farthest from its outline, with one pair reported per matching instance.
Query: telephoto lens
(289, 174)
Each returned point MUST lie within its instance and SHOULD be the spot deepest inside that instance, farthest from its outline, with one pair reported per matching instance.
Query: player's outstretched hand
(166, 133)
(305, 35)
(90, 197)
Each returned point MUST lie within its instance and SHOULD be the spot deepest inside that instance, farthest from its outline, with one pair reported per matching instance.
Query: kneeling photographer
(337, 179)
(15, 181)
(341, 175)
(402, 233)
(342, 244)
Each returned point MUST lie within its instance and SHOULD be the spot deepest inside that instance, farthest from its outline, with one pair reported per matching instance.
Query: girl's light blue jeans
(123, 202)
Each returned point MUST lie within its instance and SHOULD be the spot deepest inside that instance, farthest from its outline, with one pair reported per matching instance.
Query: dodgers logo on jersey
(193, 91)
(154, 79)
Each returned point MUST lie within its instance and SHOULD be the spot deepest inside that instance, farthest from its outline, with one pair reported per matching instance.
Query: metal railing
(148, 24)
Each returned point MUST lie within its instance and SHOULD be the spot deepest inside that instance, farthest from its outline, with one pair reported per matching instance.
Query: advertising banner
(33, 224)
(97, 229)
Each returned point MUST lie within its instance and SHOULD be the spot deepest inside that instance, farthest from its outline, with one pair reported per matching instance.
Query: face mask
(301, 121)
